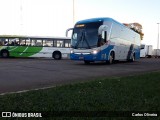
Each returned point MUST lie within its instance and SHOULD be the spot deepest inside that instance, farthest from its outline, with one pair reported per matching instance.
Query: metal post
(157, 42)
(21, 16)
(73, 13)
(158, 37)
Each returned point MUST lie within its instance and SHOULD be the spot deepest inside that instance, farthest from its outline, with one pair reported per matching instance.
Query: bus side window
(22, 42)
(28, 42)
(102, 38)
(59, 43)
(47, 43)
(5, 42)
(67, 44)
(1, 43)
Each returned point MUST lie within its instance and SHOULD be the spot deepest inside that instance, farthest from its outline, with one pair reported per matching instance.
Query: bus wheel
(57, 55)
(87, 62)
(4, 54)
(133, 58)
(111, 58)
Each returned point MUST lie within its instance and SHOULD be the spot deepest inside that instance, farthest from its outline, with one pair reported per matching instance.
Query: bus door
(102, 39)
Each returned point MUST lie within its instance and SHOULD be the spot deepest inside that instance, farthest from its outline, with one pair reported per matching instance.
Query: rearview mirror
(102, 28)
(68, 31)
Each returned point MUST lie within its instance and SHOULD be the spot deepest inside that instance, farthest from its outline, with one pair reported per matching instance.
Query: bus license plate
(81, 58)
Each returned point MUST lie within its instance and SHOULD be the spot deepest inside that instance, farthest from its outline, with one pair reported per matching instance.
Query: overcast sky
(53, 17)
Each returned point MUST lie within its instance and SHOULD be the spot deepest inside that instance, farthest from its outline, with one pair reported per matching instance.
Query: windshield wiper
(86, 40)
(82, 39)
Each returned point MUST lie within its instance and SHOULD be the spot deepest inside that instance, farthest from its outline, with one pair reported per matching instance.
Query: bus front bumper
(88, 57)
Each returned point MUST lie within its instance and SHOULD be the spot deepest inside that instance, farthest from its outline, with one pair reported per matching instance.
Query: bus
(103, 39)
(34, 46)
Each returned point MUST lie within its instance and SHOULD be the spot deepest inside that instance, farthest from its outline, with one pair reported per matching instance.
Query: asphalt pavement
(18, 74)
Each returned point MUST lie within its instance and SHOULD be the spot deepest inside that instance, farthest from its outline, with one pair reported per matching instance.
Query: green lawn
(132, 93)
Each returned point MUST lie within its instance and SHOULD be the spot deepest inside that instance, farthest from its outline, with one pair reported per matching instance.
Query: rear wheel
(4, 54)
(57, 55)
(132, 58)
(149, 56)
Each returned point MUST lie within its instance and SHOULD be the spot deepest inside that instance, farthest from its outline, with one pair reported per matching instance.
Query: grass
(132, 93)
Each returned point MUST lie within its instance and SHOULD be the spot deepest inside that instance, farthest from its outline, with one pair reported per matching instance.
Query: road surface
(17, 74)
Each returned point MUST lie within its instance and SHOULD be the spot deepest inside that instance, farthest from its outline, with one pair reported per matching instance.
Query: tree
(135, 27)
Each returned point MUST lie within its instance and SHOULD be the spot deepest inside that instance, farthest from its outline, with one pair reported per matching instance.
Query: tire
(87, 62)
(132, 58)
(111, 58)
(149, 56)
(4, 54)
(57, 55)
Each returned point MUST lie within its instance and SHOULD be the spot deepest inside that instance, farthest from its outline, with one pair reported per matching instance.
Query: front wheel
(87, 62)
(4, 54)
(111, 58)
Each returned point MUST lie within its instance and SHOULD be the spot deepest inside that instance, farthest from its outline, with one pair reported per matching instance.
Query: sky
(53, 17)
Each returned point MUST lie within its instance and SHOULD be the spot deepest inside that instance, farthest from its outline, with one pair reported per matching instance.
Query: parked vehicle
(34, 46)
(146, 51)
(156, 53)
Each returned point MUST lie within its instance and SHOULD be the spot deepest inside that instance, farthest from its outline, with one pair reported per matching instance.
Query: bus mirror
(68, 31)
(102, 28)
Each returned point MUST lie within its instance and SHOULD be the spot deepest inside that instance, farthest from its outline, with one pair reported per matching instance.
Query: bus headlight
(94, 52)
(72, 51)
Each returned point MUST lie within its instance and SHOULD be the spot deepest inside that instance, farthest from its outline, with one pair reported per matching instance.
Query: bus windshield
(85, 36)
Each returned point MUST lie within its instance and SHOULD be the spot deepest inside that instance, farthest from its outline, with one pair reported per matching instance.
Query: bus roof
(103, 19)
(99, 19)
(34, 37)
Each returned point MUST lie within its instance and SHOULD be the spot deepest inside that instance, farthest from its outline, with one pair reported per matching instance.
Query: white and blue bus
(103, 39)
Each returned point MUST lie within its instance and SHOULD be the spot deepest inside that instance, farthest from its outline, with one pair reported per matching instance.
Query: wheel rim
(5, 54)
(57, 56)
(133, 58)
(111, 59)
